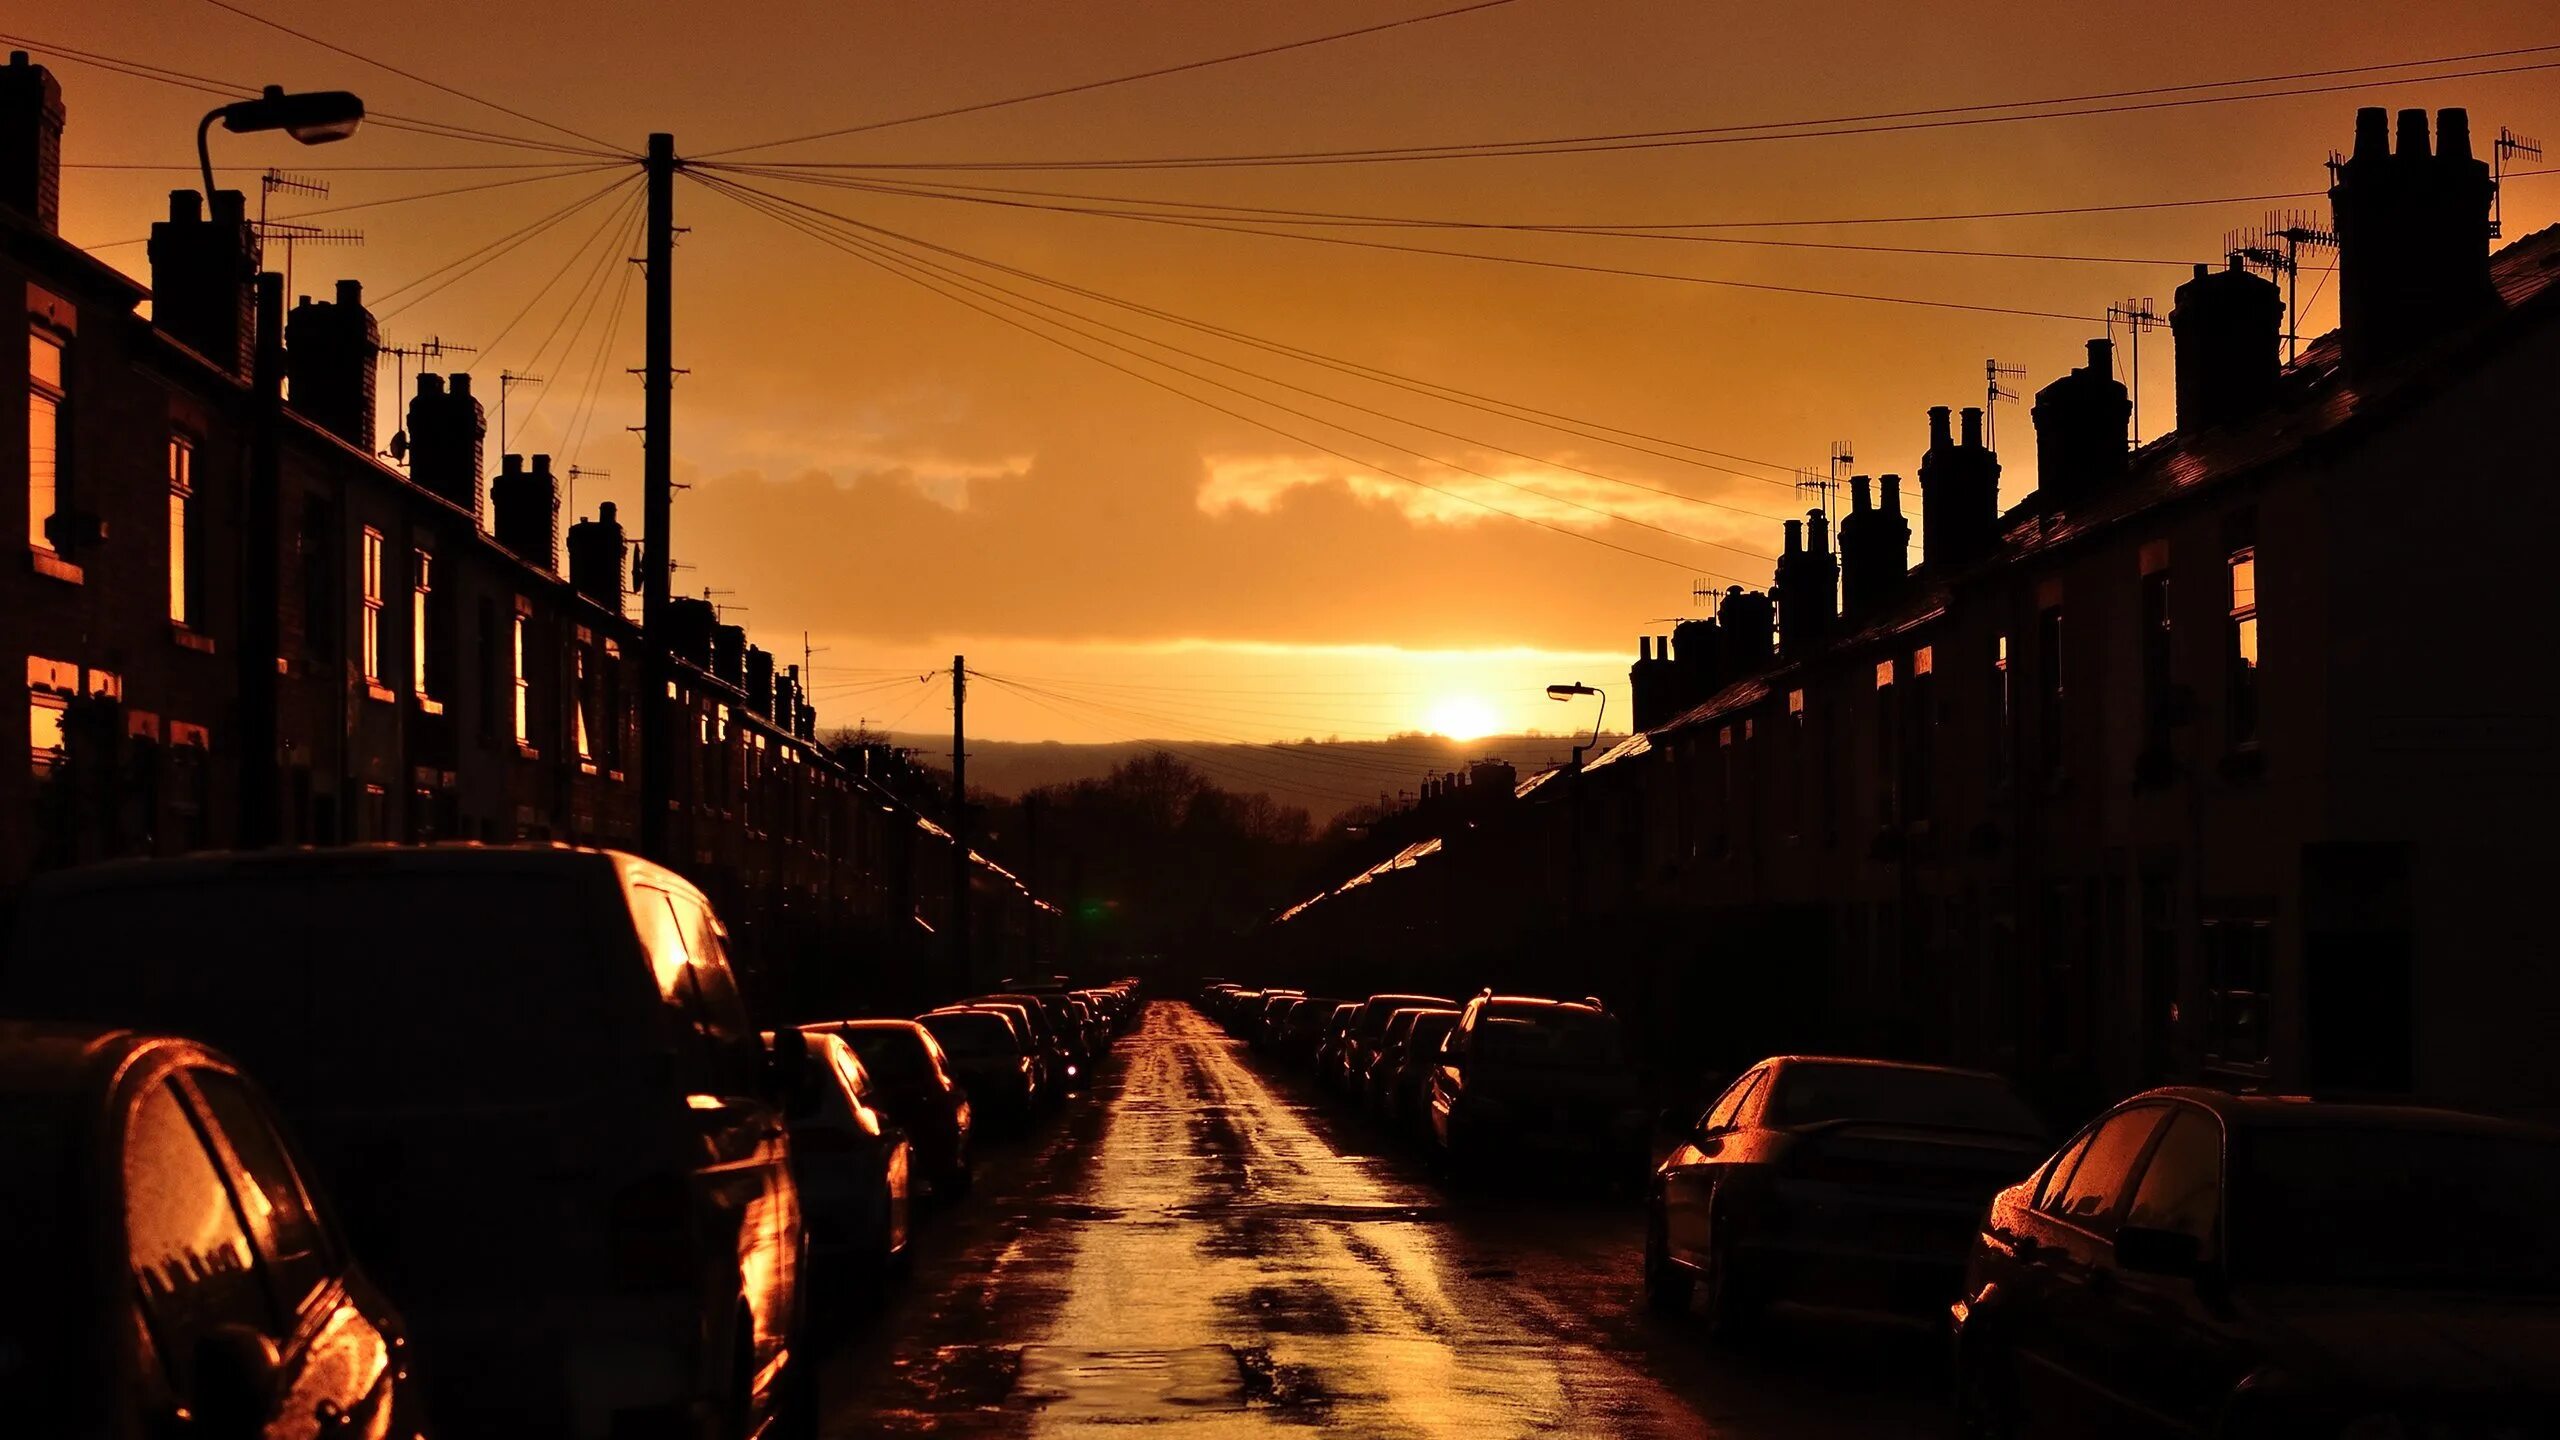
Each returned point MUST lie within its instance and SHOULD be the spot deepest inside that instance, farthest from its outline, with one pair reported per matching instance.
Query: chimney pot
(1938, 427)
(2102, 358)
(1893, 494)
(1795, 536)
(2453, 133)
(462, 383)
(2413, 135)
(2373, 132)
(1973, 427)
(1858, 500)
(1644, 647)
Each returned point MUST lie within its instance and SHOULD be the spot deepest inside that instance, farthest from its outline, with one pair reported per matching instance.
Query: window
(182, 473)
(44, 732)
(586, 750)
(279, 1208)
(1796, 742)
(2090, 1195)
(1920, 722)
(2181, 1188)
(2003, 721)
(372, 618)
(523, 686)
(45, 396)
(422, 594)
(2243, 694)
(1888, 748)
(2049, 692)
(1720, 1114)
(2239, 959)
(188, 1250)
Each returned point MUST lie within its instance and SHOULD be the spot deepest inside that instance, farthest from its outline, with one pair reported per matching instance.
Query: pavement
(1199, 1249)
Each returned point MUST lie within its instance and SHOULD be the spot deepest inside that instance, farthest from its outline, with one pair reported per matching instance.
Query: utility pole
(960, 821)
(262, 559)
(657, 504)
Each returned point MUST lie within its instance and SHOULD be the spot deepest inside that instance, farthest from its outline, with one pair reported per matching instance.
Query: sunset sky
(905, 478)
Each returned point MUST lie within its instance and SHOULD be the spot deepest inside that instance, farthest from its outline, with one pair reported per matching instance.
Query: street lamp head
(314, 117)
(1568, 692)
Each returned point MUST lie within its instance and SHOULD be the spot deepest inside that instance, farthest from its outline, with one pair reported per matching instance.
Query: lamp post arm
(204, 151)
(1597, 720)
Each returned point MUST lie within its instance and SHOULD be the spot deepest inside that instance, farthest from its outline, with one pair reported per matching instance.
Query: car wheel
(1735, 1301)
(1667, 1286)
(1986, 1393)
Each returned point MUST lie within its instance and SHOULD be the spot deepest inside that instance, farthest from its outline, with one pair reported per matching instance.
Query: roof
(47, 1058)
(442, 855)
(1868, 1062)
(2309, 1112)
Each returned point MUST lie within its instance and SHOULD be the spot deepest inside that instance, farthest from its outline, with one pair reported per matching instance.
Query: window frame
(183, 580)
(54, 394)
(2057, 1186)
(2245, 691)
(369, 551)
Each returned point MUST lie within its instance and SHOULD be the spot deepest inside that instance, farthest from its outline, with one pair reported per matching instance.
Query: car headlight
(2377, 1426)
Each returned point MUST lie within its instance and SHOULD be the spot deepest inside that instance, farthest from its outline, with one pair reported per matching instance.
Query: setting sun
(1462, 717)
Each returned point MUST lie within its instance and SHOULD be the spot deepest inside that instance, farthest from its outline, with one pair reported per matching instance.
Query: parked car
(856, 1168)
(991, 1060)
(566, 1156)
(1304, 1029)
(2200, 1263)
(1049, 1010)
(1368, 1084)
(176, 1271)
(1337, 1029)
(1404, 1092)
(1261, 1025)
(914, 1083)
(1057, 1064)
(1850, 1181)
(1360, 1041)
(1528, 1081)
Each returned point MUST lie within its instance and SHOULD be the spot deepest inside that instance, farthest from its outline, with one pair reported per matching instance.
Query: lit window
(422, 589)
(586, 754)
(1884, 674)
(44, 732)
(1922, 661)
(373, 606)
(182, 472)
(2243, 697)
(1795, 706)
(524, 689)
(45, 397)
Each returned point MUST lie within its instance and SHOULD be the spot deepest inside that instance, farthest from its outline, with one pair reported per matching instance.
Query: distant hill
(1325, 777)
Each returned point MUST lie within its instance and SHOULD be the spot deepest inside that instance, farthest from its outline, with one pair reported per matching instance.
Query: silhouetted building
(596, 560)
(1875, 549)
(31, 117)
(2170, 778)
(203, 277)
(330, 349)
(525, 511)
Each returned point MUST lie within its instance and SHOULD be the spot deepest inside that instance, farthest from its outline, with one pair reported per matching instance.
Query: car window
(2057, 1171)
(1812, 1093)
(1720, 1114)
(1748, 1105)
(2181, 1187)
(280, 1209)
(715, 988)
(2090, 1197)
(188, 1249)
(698, 994)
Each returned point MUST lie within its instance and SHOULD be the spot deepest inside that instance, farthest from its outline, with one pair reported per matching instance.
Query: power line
(752, 200)
(1086, 87)
(598, 244)
(495, 248)
(592, 288)
(958, 278)
(575, 433)
(1758, 132)
(933, 190)
(305, 35)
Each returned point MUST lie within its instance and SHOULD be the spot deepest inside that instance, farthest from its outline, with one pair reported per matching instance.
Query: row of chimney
(694, 633)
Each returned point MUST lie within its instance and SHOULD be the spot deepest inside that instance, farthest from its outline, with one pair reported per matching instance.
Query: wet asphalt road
(1199, 1249)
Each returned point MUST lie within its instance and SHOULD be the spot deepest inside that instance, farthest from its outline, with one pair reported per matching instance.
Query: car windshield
(972, 1035)
(1556, 1039)
(1898, 1095)
(41, 1308)
(1374, 1015)
(359, 988)
(894, 1057)
(2396, 1208)
(1429, 1029)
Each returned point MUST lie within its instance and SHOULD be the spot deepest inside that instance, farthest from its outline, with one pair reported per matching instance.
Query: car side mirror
(237, 1374)
(2146, 1251)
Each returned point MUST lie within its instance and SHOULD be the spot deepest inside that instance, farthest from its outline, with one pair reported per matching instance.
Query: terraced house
(2228, 756)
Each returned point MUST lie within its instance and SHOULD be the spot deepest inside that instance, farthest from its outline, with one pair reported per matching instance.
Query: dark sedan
(1525, 1083)
(992, 1060)
(175, 1274)
(2197, 1263)
(1360, 1038)
(912, 1081)
(1853, 1182)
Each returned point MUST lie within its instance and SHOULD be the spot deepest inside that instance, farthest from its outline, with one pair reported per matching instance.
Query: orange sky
(906, 479)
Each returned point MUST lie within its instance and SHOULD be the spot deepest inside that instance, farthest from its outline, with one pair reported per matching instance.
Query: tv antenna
(1993, 392)
(574, 473)
(509, 380)
(2137, 316)
(2509, 144)
(2276, 247)
(290, 234)
(434, 347)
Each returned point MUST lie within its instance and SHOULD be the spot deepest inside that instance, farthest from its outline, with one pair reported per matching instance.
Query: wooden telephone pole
(960, 867)
(657, 504)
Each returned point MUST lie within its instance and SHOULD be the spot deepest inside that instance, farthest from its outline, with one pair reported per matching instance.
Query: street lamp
(1570, 692)
(314, 117)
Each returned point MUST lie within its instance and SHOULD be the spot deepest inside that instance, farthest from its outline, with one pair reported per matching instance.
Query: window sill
(46, 562)
(429, 705)
(379, 693)
(190, 639)
(527, 752)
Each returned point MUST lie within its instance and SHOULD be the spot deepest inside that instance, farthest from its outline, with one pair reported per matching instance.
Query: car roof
(871, 1027)
(2311, 1112)
(46, 1058)
(291, 862)
(1395, 996)
(1869, 1062)
(1534, 1005)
